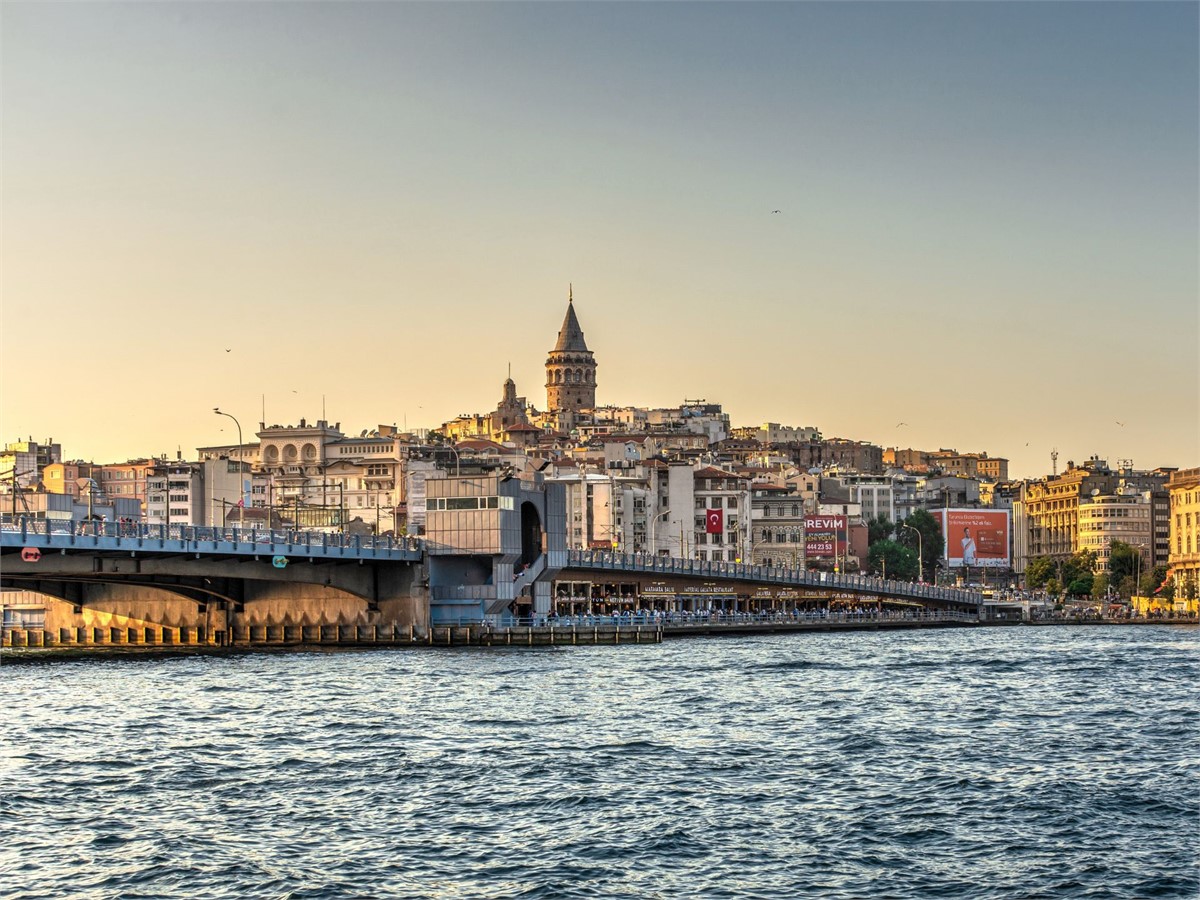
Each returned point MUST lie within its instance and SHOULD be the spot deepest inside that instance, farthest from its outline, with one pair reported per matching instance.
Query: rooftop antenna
(1054, 462)
(323, 408)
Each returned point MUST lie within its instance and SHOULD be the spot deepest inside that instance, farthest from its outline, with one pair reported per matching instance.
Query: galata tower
(570, 370)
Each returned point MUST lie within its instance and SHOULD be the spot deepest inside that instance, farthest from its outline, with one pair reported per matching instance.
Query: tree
(1100, 584)
(1079, 567)
(879, 529)
(1152, 581)
(931, 543)
(1123, 561)
(1082, 585)
(893, 560)
(1038, 571)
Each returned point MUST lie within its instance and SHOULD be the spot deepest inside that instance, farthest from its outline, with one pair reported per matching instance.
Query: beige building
(1123, 516)
(774, 433)
(1184, 558)
(510, 415)
(67, 478)
(777, 526)
(1051, 507)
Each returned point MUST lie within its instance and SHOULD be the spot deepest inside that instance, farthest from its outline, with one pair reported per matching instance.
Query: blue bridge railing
(104, 535)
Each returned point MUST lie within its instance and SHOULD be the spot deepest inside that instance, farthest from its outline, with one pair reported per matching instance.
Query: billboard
(824, 537)
(975, 537)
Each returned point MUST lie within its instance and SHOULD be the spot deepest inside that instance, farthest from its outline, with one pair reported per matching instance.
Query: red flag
(714, 521)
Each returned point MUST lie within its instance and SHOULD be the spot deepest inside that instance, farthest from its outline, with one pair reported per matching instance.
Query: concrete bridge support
(353, 603)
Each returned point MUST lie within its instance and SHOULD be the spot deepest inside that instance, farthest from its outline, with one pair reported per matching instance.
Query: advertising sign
(975, 537)
(824, 536)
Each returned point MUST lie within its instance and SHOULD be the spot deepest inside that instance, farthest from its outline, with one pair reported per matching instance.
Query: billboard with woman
(975, 537)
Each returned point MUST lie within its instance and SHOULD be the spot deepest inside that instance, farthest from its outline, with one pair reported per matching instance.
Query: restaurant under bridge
(600, 583)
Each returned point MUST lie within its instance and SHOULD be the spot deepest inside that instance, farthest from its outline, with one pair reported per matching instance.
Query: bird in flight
(228, 350)
(898, 424)
(1122, 424)
(776, 211)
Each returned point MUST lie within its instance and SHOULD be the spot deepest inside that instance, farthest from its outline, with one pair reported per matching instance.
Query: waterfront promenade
(620, 630)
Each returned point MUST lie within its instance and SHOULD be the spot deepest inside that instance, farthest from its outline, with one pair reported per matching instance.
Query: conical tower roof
(570, 336)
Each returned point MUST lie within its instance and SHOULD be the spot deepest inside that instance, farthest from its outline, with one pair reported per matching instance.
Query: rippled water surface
(1022, 762)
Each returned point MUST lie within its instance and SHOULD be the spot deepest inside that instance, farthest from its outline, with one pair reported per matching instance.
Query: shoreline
(532, 637)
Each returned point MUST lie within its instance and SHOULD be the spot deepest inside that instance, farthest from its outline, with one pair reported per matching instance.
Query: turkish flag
(714, 521)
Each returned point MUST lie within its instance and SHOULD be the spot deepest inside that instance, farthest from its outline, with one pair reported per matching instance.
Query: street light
(241, 492)
(920, 552)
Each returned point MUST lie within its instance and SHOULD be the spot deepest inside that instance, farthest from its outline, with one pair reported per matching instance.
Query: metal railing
(24, 528)
(667, 565)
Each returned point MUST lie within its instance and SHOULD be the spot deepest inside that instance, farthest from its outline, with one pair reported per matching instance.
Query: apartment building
(1183, 490)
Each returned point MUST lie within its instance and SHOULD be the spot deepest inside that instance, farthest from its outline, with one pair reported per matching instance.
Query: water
(1014, 763)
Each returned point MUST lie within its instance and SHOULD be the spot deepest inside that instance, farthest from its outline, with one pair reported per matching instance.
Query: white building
(1124, 516)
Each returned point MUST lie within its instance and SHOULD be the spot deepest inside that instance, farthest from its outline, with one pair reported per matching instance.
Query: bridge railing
(26, 526)
(700, 568)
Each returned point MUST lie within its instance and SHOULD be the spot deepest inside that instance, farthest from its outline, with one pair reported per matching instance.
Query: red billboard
(824, 537)
(975, 538)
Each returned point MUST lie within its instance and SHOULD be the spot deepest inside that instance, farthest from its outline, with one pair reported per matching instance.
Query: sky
(987, 222)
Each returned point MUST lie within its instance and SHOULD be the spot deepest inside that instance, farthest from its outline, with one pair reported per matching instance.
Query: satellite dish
(1095, 492)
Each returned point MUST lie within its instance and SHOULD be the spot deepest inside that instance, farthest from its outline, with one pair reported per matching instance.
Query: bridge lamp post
(920, 551)
(241, 493)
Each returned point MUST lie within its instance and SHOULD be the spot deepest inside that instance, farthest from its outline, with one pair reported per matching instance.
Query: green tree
(1038, 571)
(1078, 567)
(1123, 561)
(1152, 580)
(879, 529)
(892, 559)
(931, 543)
(1100, 584)
(1082, 585)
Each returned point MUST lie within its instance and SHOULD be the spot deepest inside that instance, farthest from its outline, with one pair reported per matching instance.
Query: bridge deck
(93, 537)
(637, 563)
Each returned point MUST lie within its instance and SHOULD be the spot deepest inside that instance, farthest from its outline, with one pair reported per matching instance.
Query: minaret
(570, 369)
